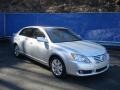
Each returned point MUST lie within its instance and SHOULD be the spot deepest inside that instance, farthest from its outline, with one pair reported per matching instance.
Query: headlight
(80, 58)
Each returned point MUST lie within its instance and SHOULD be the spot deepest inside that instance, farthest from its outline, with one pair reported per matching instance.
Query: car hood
(83, 47)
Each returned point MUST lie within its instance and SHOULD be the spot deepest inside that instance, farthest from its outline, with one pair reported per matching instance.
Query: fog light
(80, 71)
(85, 71)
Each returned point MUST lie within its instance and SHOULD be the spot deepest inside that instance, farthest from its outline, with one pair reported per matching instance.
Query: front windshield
(62, 35)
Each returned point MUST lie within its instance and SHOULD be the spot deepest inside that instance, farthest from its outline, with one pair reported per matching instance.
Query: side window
(37, 33)
(27, 32)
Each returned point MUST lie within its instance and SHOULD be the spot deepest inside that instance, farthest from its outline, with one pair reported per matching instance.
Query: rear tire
(58, 67)
(16, 51)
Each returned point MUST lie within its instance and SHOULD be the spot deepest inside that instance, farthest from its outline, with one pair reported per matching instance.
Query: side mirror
(42, 39)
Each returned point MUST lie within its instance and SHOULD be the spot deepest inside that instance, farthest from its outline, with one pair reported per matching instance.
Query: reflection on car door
(26, 40)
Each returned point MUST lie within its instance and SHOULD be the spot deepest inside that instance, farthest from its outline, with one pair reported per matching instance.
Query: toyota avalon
(62, 50)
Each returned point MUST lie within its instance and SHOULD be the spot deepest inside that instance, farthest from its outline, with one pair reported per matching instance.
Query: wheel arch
(55, 55)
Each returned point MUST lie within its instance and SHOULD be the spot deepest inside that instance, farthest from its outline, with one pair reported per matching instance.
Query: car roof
(45, 27)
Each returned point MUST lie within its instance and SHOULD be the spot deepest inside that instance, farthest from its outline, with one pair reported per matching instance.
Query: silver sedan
(61, 50)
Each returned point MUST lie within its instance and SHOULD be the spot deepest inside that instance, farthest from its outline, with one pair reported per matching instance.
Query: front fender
(61, 53)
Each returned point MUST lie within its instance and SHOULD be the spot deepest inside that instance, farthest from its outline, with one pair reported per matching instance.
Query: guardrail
(99, 27)
(2, 23)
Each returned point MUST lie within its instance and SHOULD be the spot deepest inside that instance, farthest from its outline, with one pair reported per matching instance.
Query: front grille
(100, 58)
(101, 69)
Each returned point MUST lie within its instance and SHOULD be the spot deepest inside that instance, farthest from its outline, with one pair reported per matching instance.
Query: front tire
(58, 67)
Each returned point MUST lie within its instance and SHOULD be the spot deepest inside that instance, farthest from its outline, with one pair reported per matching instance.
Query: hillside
(59, 5)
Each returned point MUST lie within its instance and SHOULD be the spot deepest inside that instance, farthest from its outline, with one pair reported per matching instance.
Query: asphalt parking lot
(25, 74)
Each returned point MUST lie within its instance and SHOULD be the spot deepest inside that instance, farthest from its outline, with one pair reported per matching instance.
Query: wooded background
(59, 5)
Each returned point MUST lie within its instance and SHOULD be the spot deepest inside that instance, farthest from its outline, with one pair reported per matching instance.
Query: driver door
(40, 49)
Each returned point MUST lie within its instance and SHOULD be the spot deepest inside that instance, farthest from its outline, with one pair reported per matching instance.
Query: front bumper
(82, 69)
(92, 72)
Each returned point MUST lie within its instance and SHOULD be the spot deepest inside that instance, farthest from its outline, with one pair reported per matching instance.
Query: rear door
(25, 37)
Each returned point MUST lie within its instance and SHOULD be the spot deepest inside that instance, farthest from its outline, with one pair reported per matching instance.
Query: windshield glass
(62, 35)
